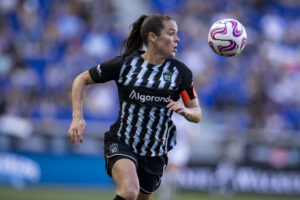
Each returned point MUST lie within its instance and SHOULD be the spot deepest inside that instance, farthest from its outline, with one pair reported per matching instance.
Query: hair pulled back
(140, 30)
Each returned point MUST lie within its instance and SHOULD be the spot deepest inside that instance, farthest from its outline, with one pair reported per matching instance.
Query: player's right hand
(76, 130)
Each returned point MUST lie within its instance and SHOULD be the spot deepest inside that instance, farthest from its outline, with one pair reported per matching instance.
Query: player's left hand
(177, 107)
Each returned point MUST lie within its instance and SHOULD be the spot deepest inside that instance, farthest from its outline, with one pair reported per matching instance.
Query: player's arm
(78, 124)
(101, 73)
(190, 110)
(193, 111)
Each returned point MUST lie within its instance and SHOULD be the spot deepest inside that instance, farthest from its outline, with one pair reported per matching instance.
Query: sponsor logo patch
(146, 98)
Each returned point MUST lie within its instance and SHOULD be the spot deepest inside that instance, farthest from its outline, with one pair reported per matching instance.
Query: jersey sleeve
(106, 71)
(186, 87)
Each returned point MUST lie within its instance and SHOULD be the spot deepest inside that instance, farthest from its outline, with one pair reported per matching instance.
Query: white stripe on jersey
(122, 116)
(168, 134)
(151, 80)
(161, 79)
(138, 127)
(173, 140)
(130, 73)
(174, 77)
(133, 63)
(128, 123)
(141, 74)
(149, 128)
(164, 138)
(159, 125)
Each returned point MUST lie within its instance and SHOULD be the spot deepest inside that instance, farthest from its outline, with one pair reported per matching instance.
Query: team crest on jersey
(113, 148)
(167, 76)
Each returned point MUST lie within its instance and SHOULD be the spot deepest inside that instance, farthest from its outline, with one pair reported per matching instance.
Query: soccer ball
(227, 37)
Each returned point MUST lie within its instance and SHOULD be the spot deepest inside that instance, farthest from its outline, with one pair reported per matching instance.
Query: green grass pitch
(51, 193)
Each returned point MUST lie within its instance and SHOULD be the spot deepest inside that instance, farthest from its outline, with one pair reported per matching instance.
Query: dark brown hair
(140, 30)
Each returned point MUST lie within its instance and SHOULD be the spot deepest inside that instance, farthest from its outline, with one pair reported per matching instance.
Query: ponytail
(140, 30)
(134, 40)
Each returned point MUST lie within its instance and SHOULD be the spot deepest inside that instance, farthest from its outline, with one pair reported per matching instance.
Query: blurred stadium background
(247, 145)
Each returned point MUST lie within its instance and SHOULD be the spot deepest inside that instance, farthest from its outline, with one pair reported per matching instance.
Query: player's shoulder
(130, 55)
(179, 65)
(115, 61)
(120, 59)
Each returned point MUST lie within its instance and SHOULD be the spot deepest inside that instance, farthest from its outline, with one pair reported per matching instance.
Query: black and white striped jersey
(144, 122)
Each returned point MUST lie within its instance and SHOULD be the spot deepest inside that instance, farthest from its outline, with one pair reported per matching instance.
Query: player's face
(168, 39)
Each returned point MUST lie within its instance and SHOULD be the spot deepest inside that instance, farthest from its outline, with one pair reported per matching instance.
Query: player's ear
(152, 37)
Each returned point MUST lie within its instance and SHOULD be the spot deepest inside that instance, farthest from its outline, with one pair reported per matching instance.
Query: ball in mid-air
(227, 37)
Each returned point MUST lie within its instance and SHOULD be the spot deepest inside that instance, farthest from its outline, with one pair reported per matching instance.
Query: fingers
(80, 138)
(171, 104)
(74, 135)
(76, 131)
(75, 138)
(82, 132)
(174, 106)
(70, 135)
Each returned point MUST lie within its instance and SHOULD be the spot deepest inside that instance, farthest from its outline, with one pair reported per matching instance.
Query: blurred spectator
(44, 44)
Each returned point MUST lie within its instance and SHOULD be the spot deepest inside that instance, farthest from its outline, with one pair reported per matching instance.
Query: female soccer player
(149, 84)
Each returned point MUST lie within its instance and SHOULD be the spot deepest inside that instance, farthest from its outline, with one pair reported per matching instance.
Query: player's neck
(153, 58)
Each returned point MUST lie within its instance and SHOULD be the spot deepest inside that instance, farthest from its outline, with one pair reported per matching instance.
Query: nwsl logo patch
(113, 148)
